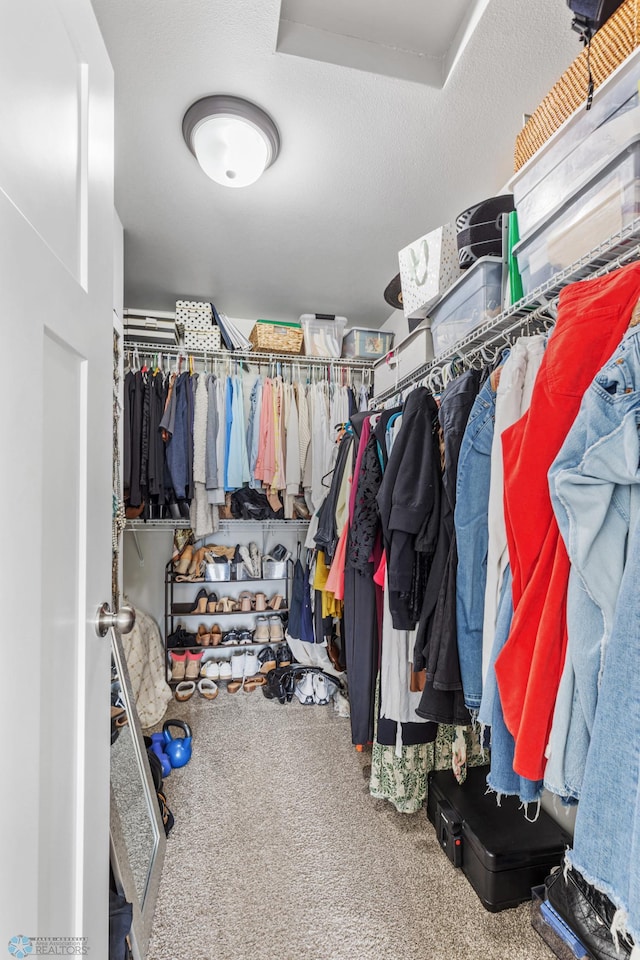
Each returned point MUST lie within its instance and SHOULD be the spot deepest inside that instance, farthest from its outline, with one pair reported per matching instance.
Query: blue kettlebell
(178, 750)
(157, 745)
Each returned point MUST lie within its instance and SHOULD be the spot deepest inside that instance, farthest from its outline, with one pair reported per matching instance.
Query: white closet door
(56, 292)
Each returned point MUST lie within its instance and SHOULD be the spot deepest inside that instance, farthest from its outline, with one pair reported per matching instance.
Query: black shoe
(230, 638)
(283, 655)
(181, 638)
(267, 659)
(245, 637)
(280, 553)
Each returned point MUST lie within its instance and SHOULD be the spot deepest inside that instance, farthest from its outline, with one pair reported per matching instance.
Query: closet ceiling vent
(233, 140)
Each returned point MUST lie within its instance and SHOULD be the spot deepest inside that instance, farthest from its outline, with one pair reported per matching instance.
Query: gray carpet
(279, 853)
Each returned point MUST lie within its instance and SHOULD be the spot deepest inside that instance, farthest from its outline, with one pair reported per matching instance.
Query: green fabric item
(281, 323)
(515, 280)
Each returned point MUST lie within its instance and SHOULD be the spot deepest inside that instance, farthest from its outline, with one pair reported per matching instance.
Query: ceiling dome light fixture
(233, 140)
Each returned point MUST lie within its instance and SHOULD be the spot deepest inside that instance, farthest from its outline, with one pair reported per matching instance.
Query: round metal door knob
(122, 621)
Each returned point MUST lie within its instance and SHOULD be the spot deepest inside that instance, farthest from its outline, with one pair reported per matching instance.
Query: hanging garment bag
(501, 853)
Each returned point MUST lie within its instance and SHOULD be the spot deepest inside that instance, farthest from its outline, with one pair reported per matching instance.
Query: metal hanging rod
(170, 524)
(246, 356)
(529, 313)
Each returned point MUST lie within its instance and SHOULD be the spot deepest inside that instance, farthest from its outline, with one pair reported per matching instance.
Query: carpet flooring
(280, 853)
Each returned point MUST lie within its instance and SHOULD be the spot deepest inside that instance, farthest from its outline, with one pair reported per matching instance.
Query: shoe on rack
(210, 669)
(226, 605)
(246, 601)
(194, 658)
(230, 638)
(260, 601)
(237, 666)
(283, 655)
(178, 665)
(251, 663)
(247, 561)
(256, 559)
(225, 670)
(303, 689)
(182, 563)
(216, 635)
(203, 638)
(212, 602)
(279, 553)
(276, 630)
(181, 638)
(262, 633)
(267, 659)
(200, 602)
(185, 690)
(276, 602)
(207, 689)
(245, 637)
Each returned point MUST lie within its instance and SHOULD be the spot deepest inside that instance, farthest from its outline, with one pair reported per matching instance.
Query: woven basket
(268, 337)
(611, 45)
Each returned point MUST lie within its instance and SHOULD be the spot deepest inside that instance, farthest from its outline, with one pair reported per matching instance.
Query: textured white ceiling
(368, 162)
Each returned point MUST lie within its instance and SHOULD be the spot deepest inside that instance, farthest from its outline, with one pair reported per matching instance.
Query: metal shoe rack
(532, 313)
(180, 613)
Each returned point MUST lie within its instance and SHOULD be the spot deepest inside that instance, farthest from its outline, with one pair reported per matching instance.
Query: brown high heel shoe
(201, 602)
(246, 602)
(216, 635)
(276, 602)
(260, 602)
(212, 602)
(204, 636)
(195, 567)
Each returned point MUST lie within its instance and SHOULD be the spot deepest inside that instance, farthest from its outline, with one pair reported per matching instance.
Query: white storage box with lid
(412, 352)
(323, 334)
(596, 211)
(146, 329)
(472, 300)
(582, 146)
(364, 344)
(428, 267)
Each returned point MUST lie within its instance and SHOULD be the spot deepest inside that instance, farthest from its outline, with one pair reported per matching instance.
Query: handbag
(588, 912)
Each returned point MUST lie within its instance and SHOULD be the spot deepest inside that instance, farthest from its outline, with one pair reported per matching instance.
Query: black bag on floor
(588, 912)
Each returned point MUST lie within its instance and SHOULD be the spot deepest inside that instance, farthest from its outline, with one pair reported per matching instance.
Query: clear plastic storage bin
(607, 204)
(366, 344)
(322, 334)
(472, 300)
(412, 352)
(582, 146)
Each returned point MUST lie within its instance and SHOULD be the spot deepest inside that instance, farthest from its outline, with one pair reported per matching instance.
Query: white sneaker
(225, 670)
(323, 689)
(304, 689)
(211, 670)
(251, 665)
(237, 666)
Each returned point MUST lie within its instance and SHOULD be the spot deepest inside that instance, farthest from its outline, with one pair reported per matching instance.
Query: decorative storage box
(610, 46)
(201, 339)
(276, 336)
(366, 344)
(412, 352)
(195, 314)
(596, 211)
(580, 149)
(217, 571)
(475, 298)
(240, 572)
(428, 267)
(322, 334)
(274, 569)
(150, 329)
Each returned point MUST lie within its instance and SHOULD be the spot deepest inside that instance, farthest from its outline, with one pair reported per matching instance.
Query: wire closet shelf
(244, 356)
(532, 312)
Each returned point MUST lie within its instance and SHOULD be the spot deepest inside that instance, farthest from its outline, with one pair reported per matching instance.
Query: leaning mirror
(137, 835)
